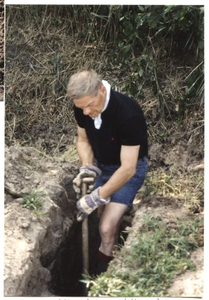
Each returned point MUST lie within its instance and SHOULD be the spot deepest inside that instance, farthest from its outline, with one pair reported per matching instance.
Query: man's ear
(102, 89)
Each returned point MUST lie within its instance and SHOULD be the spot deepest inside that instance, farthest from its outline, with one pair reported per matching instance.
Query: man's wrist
(100, 198)
(101, 193)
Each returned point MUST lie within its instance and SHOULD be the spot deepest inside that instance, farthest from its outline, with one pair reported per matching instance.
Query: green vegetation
(33, 201)
(154, 53)
(187, 185)
(155, 257)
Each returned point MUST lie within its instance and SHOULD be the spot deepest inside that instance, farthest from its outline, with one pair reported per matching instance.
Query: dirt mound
(190, 284)
(169, 211)
(39, 210)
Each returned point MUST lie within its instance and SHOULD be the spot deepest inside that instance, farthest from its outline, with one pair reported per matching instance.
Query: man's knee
(107, 231)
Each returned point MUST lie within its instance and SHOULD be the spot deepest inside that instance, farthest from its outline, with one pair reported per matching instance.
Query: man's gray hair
(84, 83)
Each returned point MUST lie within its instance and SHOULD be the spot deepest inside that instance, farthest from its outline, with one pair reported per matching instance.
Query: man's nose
(86, 111)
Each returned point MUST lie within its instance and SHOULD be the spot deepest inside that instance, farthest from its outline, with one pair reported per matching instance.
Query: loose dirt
(190, 284)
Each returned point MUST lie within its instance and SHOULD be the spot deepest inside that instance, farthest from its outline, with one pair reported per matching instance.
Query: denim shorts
(127, 192)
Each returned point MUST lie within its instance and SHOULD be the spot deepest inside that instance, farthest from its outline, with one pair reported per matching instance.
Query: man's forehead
(84, 101)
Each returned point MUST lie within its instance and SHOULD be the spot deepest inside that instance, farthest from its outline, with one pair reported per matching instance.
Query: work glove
(87, 204)
(85, 171)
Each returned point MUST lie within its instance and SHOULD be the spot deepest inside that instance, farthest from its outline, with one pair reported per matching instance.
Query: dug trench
(43, 243)
(67, 268)
(43, 247)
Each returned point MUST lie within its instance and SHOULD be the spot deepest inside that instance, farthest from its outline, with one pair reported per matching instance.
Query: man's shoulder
(127, 107)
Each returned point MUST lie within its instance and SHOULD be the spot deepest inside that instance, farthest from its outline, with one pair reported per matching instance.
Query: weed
(188, 186)
(33, 201)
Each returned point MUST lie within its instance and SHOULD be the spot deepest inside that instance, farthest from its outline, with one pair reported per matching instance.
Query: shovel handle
(87, 180)
(85, 231)
(85, 236)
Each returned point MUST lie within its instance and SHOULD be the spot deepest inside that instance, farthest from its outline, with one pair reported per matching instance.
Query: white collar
(98, 119)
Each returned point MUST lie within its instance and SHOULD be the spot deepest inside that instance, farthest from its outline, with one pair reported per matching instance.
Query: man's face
(92, 106)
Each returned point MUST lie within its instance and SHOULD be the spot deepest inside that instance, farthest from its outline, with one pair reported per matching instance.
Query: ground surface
(189, 284)
(172, 190)
(26, 166)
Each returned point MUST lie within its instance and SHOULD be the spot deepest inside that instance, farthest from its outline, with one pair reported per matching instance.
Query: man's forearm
(85, 153)
(129, 158)
(117, 180)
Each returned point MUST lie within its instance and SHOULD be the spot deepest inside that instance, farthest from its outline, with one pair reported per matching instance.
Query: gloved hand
(85, 171)
(87, 204)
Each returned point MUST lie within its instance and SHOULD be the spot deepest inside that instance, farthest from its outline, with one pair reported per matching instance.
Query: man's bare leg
(109, 226)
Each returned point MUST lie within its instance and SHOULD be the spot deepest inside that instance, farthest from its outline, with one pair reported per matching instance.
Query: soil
(170, 209)
(190, 284)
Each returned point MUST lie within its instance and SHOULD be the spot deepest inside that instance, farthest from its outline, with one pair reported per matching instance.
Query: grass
(33, 201)
(149, 266)
(72, 155)
(47, 44)
(187, 185)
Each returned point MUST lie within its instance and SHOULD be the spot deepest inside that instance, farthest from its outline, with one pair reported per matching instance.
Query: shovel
(85, 232)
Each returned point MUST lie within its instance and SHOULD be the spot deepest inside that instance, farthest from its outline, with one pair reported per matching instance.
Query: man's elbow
(130, 171)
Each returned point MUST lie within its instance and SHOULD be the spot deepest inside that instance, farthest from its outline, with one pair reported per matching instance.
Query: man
(112, 146)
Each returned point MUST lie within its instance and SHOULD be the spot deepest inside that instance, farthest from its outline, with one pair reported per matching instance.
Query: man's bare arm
(129, 158)
(84, 148)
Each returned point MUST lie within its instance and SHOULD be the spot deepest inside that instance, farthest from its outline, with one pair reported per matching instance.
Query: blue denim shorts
(127, 192)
